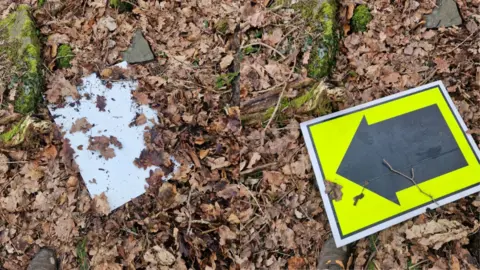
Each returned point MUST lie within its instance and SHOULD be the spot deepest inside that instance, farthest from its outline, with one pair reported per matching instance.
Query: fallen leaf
(59, 87)
(225, 234)
(100, 204)
(4, 167)
(436, 233)
(392, 78)
(101, 144)
(442, 64)
(296, 263)
(82, 125)
(50, 152)
(141, 98)
(140, 120)
(350, 9)
(218, 163)
(101, 103)
(275, 37)
(226, 61)
(255, 157)
(333, 190)
(455, 263)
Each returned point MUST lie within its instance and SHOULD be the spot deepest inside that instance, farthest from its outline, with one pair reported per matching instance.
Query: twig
(255, 199)
(460, 44)
(286, 36)
(280, 97)
(188, 209)
(411, 180)
(417, 264)
(370, 258)
(267, 46)
(261, 167)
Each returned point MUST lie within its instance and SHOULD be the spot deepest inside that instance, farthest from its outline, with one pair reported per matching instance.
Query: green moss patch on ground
(361, 18)
(64, 56)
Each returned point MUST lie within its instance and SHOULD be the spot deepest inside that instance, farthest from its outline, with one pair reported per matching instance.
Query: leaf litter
(208, 217)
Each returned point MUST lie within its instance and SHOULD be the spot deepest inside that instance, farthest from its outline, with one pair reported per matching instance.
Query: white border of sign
(320, 181)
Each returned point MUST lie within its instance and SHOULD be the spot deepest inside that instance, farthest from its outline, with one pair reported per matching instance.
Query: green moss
(40, 3)
(321, 19)
(225, 79)
(122, 6)
(222, 26)
(313, 101)
(23, 50)
(16, 134)
(251, 49)
(361, 18)
(64, 56)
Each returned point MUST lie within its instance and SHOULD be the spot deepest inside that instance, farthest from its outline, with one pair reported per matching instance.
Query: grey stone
(139, 51)
(444, 15)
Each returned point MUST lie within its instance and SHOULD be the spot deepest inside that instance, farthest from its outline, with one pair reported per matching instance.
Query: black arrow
(420, 140)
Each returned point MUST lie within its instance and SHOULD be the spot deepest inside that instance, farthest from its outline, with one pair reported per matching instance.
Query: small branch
(280, 97)
(460, 44)
(261, 167)
(267, 46)
(189, 211)
(411, 180)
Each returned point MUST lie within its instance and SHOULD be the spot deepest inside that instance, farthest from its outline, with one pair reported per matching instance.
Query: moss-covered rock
(22, 49)
(64, 56)
(122, 6)
(321, 19)
(361, 18)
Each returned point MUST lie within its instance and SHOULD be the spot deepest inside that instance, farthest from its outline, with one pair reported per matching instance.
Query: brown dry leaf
(82, 125)
(101, 144)
(106, 73)
(218, 163)
(108, 266)
(141, 98)
(226, 234)
(296, 263)
(275, 37)
(392, 78)
(4, 167)
(455, 263)
(230, 191)
(59, 87)
(442, 64)
(100, 204)
(140, 120)
(255, 157)
(333, 190)
(203, 153)
(101, 103)
(436, 233)
(350, 9)
(114, 140)
(50, 152)
(149, 158)
(226, 61)
(67, 153)
(64, 227)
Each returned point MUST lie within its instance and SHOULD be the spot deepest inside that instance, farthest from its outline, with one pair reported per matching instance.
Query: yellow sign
(392, 158)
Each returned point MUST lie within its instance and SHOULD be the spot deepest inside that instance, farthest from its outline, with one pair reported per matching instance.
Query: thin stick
(460, 44)
(261, 167)
(189, 211)
(280, 97)
(411, 180)
(267, 46)
(255, 199)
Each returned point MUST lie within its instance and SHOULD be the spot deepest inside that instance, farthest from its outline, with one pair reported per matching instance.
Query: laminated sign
(388, 160)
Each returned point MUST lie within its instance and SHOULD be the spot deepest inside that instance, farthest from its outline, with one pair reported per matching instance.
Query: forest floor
(250, 201)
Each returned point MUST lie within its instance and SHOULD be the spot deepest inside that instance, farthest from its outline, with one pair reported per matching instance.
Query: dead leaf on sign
(333, 190)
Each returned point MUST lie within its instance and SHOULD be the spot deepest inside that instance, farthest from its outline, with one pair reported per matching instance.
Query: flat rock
(444, 15)
(139, 51)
